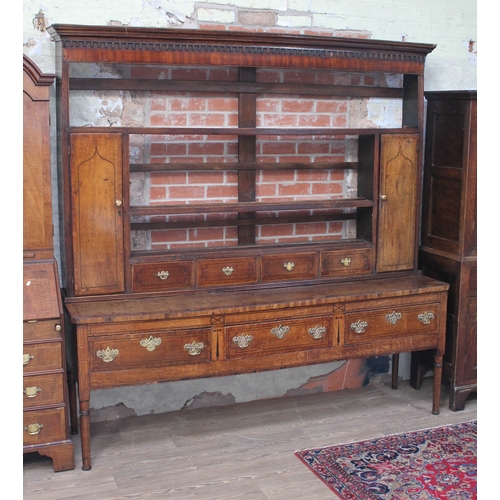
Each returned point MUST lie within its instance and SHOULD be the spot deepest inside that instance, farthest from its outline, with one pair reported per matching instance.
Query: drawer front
(44, 426)
(151, 349)
(226, 271)
(42, 330)
(43, 389)
(278, 336)
(42, 357)
(391, 323)
(344, 262)
(291, 266)
(162, 276)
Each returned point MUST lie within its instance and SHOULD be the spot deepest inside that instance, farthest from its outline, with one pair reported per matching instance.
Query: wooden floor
(242, 451)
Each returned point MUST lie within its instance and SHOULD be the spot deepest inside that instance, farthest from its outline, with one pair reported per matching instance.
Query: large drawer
(42, 330)
(291, 266)
(44, 426)
(150, 349)
(44, 389)
(345, 262)
(372, 321)
(42, 357)
(227, 271)
(283, 334)
(162, 276)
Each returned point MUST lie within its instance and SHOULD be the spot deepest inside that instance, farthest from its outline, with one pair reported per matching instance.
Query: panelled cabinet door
(97, 217)
(398, 207)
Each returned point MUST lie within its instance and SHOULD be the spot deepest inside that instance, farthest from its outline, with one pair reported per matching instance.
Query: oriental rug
(437, 463)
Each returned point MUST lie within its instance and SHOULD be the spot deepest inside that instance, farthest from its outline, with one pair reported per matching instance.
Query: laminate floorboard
(241, 451)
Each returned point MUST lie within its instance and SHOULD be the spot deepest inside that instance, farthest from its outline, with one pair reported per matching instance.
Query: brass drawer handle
(317, 332)
(58, 328)
(394, 317)
(280, 331)
(27, 358)
(32, 392)
(242, 340)
(383, 197)
(151, 343)
(194, 348)
(289, 266)
(346, 261)
(108, 354)
(33, 429)
(163, 275)
(227, 270)
(359, 326)
(425, 317)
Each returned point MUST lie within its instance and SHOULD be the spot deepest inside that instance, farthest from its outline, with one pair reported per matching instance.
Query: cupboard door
(97, 218)
(398, 204)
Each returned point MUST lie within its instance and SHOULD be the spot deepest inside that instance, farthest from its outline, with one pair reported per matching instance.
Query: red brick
(167, 235)
(188, 104)
(189, 74)
(186, 192)
(315, 120)
(157, 193)
(206, 148)
(295, 189)
(159, 178)
(331, 188)
(223, 104)
(168, 120)
(206, 120)
(331, 106)
(270, 120)
(297, 106)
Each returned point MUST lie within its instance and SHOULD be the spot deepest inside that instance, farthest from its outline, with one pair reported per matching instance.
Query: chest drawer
(291, 266)
(226, 271)
(162, 276)
(42, 330)
(386, 322)
(44, 426)
(282, 334)
(344, 262)
(41, 390)
(42, 357)
(150, 349)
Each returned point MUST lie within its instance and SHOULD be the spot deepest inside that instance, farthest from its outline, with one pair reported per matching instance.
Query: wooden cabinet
(45, 392)
(449, 233)
(251, 233)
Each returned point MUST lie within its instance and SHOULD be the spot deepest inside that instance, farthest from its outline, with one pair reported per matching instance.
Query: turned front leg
(85, 433)
(438, 373)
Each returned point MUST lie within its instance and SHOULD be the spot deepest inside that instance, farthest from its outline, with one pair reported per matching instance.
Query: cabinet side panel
(398, 207)
(96, 173)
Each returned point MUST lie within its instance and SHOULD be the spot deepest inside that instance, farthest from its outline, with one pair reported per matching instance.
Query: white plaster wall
(451, 24)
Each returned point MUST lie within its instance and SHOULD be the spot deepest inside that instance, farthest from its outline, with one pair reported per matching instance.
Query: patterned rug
(422, 465)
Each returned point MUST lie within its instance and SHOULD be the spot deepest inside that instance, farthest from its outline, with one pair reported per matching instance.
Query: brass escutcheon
(33, 429)
(317, 332)
(359, 326)
(227, 270)
(32, 392)
(108, 354)
(194, 348)
(242, 340)
(346, 261)
(425, 317)
(151, 343)
(27, 358)
(163, 275)
(289, 266)
(394, 317)
(280, 331)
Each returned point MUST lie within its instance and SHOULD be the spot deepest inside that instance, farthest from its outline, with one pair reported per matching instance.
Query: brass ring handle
(27, 358)
(243, 340)
(346, 261)
(108, 354)
(227, 270)
(194, 348)
(32, 392)
(289, 266)
(151, 343)
(33, 429)
(317, 332)
(359, 326)
(163, 275)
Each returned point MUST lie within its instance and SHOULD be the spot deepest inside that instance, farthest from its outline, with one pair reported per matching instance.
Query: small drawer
(162, 276)
(228, 271)
(150, 349)
(42, 330)
(43, 389)
(278, 336)
(293, 266)
(44, 426)
(342, 262)
(391, 323)
(42, 357)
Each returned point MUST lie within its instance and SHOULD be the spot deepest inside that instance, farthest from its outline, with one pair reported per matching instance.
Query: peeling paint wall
(452, 25)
